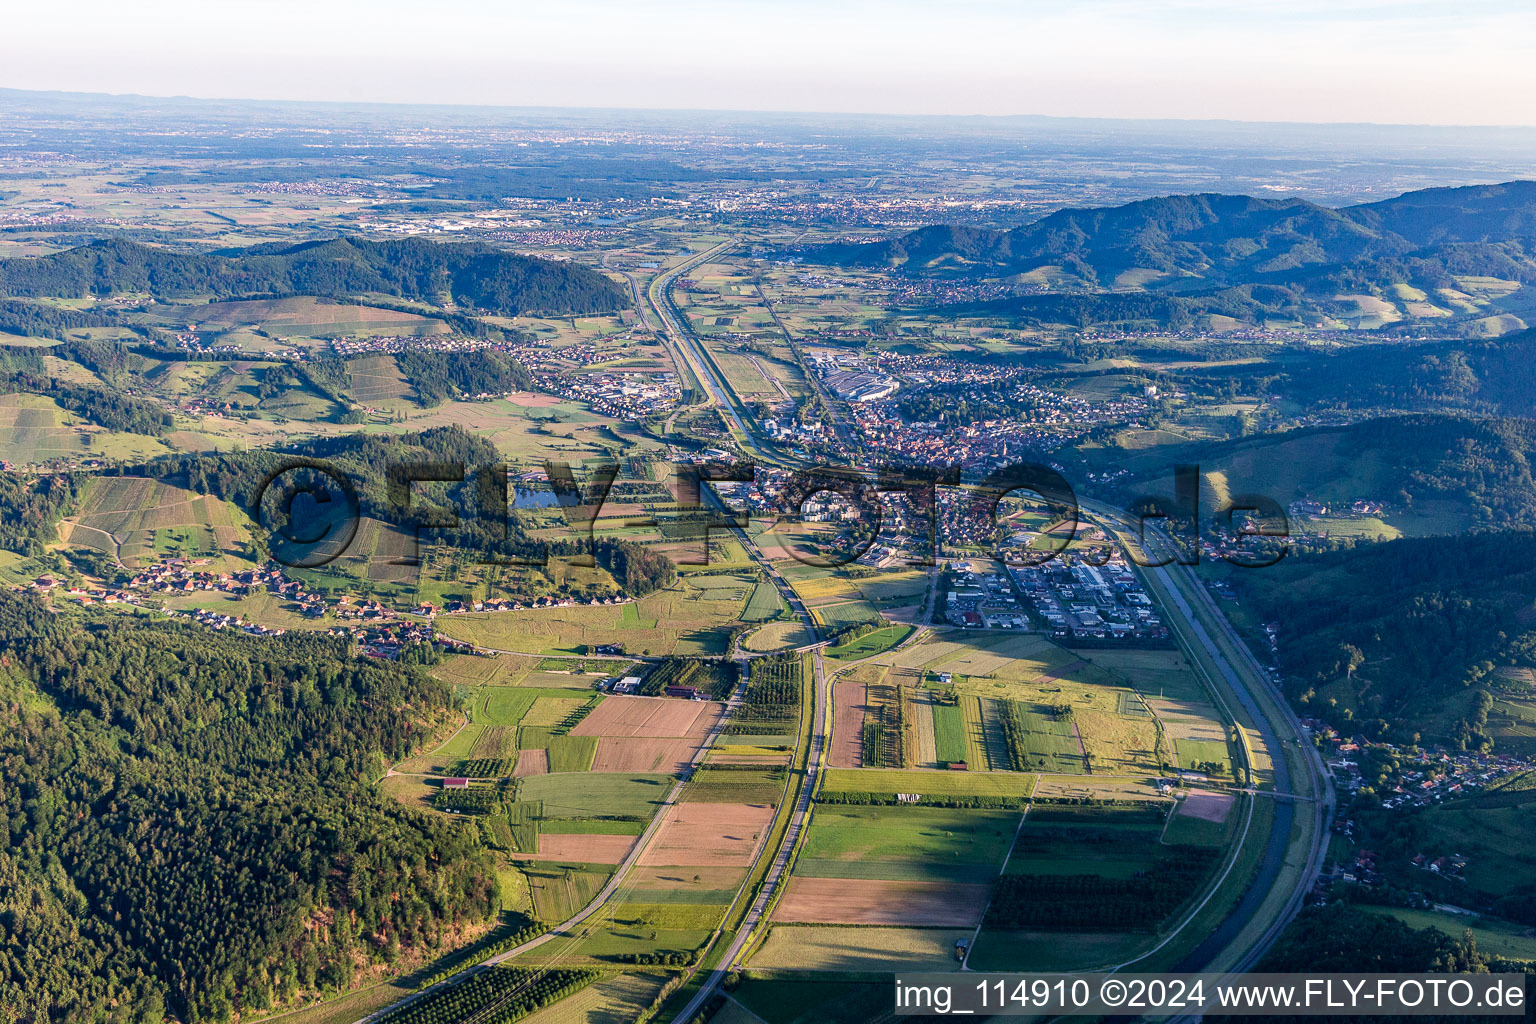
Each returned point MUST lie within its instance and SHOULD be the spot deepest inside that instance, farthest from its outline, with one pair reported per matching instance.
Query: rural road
(821, 713)
(784, 856)
(615, 884)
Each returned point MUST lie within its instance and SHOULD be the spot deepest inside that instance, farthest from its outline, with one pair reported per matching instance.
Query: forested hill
(1496, 376)
(1437, 473)
(190, 827)
(1235, 239)
(473, 275)
(1411, 637)
(1174, 257)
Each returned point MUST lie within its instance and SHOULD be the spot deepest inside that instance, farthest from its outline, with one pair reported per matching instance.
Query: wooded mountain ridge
(471, 275)
(1173, 257)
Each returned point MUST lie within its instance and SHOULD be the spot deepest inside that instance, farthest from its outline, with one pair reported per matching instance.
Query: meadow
(596, 794)
(682, 621)
(931, 783)
(775, 636)
(906, 843)
(870, 644)
(35, 429)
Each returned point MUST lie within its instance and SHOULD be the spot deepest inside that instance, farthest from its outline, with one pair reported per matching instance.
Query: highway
(821, 713)
(1320, 799)
(1282, 735)
(1231, 944)
(684, 345)
(1239, 673)
(689, 351)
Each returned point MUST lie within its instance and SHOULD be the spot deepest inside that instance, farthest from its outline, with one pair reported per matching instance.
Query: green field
(596, 794)
(560, 891)
(846, 613)
(571, 753)
(1054, 951)
(1097, 841)
(36, 429)
(1498, 841)
(605, 942)
(680, 621)
(504, 705)
(763, 605)
(1051, 742)
(775, 636)
(551, 711)
(949, 732)
(879, 641)
(906, 843)
(934, 783)
(1188, 830)
(1495, 936)
(591, 827)
(761, 786)
(806, 1002)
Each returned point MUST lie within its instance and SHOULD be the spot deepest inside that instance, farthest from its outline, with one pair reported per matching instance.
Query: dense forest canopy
(1404, 638)
(1479, 468)
(110, 409)
(31, 507)
(367, 461)
(472, 275)
(191, 824)
(1496, 376)
(438, 376)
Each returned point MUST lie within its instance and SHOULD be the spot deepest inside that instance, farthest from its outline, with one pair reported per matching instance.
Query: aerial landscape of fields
(581, 557)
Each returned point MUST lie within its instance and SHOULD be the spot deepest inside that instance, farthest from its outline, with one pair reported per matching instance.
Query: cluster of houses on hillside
(503, 604)
(198, 343)
(86, 595)
(389, 344)
(542, 355)
(220, 620)
(1415, 777)
(174, 577)
(186, 575)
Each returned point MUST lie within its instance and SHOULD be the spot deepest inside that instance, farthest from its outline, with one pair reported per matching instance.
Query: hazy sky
(1449, 62)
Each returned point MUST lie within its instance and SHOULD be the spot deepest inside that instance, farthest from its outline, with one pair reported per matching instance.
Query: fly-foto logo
(312, 511)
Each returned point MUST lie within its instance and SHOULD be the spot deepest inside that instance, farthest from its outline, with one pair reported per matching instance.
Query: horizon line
(6, 91)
